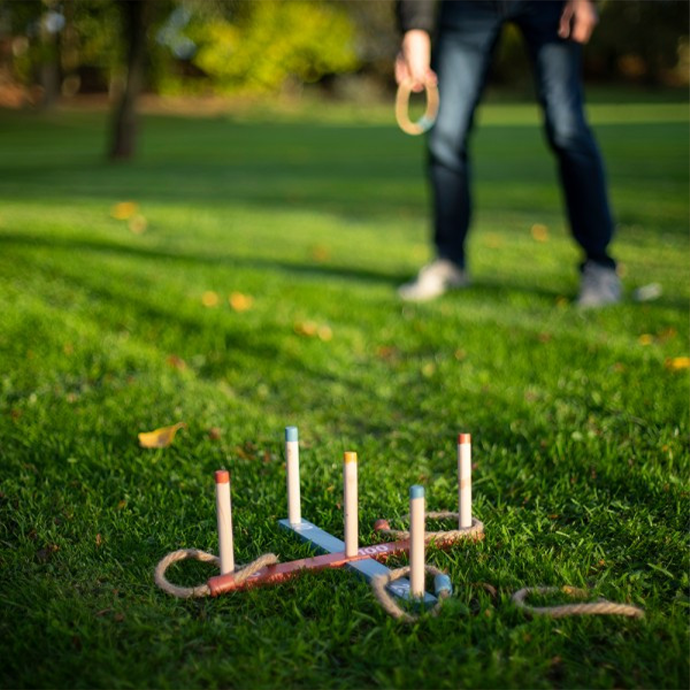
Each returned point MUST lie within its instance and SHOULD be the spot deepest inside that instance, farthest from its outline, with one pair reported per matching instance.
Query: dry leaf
(493, 241)
(677, 363)
(540, 232)
(240, 302)
(320, 253)
(159, 438)
(306, 328)
(209, 298)
(124, 210)
(325, 333)
(176, 362)
(138, 224)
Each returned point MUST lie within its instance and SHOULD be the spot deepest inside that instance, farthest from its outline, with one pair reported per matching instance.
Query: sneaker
(434, 280)
(599, 286)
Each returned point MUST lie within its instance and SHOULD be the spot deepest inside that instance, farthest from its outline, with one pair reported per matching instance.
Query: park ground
(239, 276)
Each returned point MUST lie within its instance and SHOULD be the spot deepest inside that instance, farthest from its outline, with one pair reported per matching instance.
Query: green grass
(580, 429)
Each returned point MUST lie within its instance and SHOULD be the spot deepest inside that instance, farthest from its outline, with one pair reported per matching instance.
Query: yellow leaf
(540, 232)
(493, 240)
(124, 210)
(306, 328)
(209, 298)
(159, 438)
(325, 333)
(677, 363)
(240, 302)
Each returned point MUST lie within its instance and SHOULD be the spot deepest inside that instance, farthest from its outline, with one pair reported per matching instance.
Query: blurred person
(464, 34)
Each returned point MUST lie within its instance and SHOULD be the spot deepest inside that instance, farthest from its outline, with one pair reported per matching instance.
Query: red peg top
(222, 477)
(464, 438)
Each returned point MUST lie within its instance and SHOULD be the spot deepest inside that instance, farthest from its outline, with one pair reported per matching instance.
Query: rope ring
(601, 608)
(241, 574)
(380, 582)
(476, 531)
(402, 107)
(181, 555)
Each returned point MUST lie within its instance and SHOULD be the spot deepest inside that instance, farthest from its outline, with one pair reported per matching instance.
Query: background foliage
(221, 46)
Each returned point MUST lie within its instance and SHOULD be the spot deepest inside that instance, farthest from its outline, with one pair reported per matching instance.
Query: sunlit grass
(260, 292)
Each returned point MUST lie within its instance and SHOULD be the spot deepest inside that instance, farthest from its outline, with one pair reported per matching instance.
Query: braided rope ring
(241, 574)
(475, 532)
(402, 106)
(380, 582)
(601, 607)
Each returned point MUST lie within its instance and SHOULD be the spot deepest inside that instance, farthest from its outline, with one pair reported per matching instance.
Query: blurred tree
(136, 17)
(261, 46)
(641, 41)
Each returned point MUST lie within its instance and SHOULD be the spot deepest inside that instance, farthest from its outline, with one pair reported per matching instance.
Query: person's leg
(468, 33)
(557, 64)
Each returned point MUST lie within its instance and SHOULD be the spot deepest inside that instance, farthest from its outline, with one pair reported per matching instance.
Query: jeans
(468, 32)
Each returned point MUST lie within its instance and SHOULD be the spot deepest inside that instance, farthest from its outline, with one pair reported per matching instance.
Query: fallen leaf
(176, 362)
(493, 241)
(428, 370)
(320, 253)
(325, 333)
(306, 328)
(240, 302)
(677, 363)
(540, 232)
(159, 438)
(386, 352)
(138, 224)
(209, 298)
(124, 210)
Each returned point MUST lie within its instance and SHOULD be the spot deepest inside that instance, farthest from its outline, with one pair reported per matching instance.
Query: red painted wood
(273, 574)
(280, 572)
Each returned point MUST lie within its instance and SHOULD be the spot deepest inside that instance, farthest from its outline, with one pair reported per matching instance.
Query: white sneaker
(434, 280)
(599, 286)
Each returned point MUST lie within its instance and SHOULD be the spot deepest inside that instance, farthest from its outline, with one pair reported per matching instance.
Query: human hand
(414, 60)
(578, 20)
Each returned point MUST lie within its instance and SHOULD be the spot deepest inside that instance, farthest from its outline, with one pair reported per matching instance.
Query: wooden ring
(402, 105)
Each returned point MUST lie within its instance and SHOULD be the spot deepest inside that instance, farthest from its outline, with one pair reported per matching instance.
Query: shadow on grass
(495, 290)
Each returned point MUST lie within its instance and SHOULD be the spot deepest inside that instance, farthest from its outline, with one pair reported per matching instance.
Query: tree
(136, 18)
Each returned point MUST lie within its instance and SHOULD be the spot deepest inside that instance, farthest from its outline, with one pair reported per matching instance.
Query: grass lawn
(579, 420)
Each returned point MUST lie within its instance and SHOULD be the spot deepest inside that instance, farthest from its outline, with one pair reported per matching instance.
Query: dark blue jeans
(468, 32)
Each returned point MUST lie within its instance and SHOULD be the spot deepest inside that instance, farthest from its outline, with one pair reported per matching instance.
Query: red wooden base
(280, 572)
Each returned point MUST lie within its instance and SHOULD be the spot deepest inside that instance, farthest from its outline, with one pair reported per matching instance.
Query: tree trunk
(135, 15)
(49, 69)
